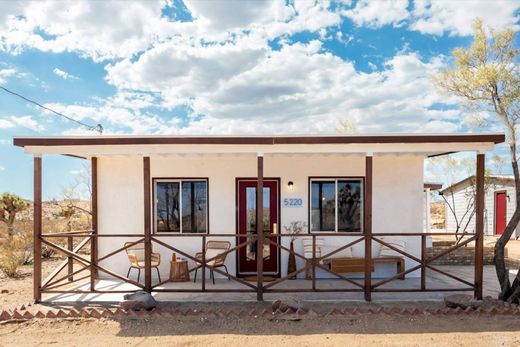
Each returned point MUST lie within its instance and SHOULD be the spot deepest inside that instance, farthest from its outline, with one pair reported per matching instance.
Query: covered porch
(97, 275)
(300, 289)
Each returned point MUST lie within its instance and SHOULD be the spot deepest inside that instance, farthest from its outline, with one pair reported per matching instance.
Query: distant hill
(51, 209)
(52, 222)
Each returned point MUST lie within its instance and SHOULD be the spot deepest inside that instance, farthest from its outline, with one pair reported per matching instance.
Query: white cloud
(27, 122)
(98, 29)
(376, 14)
(199, 68)
(8, 10)
(5, 73)
(2, 168)
(456, 17)
(64, 75)
(5, 124)
(435, 17)
(221, 67)
(115, 118)
(233, 88)
(227, 15)
(118, 29)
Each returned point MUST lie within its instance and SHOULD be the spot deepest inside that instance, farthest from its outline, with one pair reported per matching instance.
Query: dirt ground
(363, 330)
(17, 291)
(360, 330)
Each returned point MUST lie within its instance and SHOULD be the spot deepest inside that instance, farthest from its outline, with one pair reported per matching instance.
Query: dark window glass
(194, 207)
(346, 196)
(193, 210)
(349, 206)
(168, 217)
(251, 221)
(323, 212)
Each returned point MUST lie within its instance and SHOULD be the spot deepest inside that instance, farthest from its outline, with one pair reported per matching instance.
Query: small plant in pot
(294, 228)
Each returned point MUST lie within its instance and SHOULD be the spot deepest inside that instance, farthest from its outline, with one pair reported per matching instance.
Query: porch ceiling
(425, 145)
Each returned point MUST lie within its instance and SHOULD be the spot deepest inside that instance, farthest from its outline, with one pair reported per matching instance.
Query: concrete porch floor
(434, 280)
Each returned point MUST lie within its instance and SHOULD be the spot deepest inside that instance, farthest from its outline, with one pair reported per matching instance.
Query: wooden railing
(62, 284)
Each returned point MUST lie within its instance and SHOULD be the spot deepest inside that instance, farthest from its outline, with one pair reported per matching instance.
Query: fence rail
(421, 262)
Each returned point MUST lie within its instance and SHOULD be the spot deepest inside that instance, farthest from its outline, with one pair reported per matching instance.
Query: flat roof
(504, 180)
(432, 185)
(45, 141)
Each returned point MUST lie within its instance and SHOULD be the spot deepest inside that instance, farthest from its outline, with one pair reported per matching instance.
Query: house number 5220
(292, 202)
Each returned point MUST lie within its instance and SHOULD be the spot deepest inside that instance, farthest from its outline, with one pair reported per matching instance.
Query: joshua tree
(10, 205)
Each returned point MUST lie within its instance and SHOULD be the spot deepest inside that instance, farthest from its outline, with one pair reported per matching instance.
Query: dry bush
(13, 253)
(19, 250)
(438, 218)
(48, 252)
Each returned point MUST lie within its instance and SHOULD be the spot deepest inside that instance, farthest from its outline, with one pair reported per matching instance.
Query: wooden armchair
(216, 250)
(135, 255)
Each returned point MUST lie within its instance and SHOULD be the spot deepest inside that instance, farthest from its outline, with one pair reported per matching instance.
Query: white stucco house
(362, 195)
(500, 200)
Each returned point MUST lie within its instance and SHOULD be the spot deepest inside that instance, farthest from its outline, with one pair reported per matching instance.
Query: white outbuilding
(500, 200)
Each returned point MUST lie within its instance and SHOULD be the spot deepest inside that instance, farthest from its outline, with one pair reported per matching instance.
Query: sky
(227, 67)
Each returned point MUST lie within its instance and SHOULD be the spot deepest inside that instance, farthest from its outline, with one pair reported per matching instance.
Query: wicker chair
(216, 250)
(135, 255)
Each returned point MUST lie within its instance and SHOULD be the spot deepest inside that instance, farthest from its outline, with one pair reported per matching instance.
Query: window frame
(312, 179)
(179, 180)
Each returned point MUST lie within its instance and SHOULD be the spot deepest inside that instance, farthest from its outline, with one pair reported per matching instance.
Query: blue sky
(226, 67)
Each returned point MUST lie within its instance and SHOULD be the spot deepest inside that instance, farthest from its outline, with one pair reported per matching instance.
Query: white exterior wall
(397, 199)
(460, 203)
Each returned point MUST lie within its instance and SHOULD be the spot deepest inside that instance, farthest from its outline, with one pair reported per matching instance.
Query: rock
(292, 317)
(287, 306)
(4, 291)
(139, 301)
(22, 307)
(463, 301)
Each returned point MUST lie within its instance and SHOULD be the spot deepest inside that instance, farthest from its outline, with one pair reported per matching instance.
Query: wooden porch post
(37, 228)
(147, 227)
(368, 227)
(427, 213)
(479, 226)
(260, 227)
(94, 240)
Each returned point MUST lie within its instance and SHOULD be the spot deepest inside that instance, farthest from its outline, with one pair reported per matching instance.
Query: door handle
(275, 228)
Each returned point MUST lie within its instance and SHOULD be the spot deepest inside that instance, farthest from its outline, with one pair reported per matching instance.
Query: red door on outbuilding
(500, 212)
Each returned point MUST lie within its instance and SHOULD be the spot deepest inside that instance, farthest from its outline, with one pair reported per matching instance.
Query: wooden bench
(347, 265)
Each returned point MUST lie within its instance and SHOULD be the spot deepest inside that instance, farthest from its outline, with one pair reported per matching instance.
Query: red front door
(247, 226)
(500, 212)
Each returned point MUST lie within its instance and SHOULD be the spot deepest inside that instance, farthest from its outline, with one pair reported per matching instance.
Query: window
(336, 204)
(181, 206)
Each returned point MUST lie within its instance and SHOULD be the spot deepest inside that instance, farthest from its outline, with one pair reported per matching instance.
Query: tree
(485, 76)
(450, 169)
(72, 196)
(347, 127)
(10, 205)
(13, 248)
(68, 213)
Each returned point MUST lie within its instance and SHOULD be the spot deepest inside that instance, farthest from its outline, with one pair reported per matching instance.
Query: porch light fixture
(290, 184)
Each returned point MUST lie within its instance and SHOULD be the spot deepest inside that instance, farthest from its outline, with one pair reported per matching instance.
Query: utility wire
(98, 127)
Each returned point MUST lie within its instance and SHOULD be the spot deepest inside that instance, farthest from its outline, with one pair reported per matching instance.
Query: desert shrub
(13, 253)
(47, 252)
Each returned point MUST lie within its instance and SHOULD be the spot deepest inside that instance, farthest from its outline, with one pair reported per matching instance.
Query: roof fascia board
(256, 140)
(424, 149)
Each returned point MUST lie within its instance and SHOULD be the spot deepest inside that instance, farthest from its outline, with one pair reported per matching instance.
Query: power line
(98, 127)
